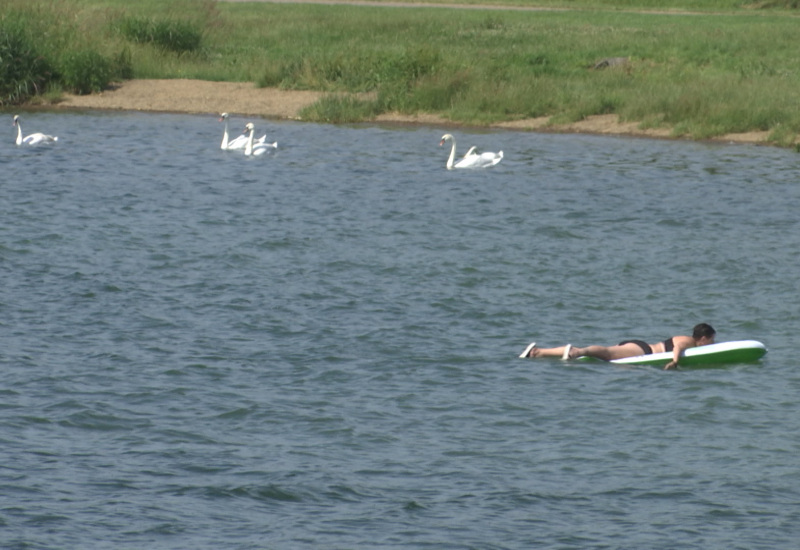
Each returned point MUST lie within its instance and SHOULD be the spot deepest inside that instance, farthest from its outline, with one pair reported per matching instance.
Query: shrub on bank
(85, 71)
(340, 109)
(24, 72)
(41, 50)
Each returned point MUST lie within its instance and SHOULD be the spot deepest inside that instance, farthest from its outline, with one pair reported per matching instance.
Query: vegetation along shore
(700, 69)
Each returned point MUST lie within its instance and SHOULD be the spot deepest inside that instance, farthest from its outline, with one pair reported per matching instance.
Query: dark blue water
(318, 348)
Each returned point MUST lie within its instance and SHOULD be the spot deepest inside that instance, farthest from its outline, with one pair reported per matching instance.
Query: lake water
(318, 348)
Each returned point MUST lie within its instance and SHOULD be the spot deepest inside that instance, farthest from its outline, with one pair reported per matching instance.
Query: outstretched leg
(607, 353)
(533, 351)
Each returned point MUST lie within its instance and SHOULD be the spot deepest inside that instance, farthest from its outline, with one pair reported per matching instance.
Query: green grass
(171, 35)
(710, 68)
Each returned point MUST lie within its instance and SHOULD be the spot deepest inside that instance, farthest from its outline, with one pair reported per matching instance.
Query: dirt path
(456, 6)
(505, 7)
(393, 4)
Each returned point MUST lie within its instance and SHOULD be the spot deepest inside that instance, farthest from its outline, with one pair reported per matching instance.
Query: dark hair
(703, 329)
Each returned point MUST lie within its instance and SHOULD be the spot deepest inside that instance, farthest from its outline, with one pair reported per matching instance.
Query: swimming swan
(33, 139)
(237, 143)
(259, 147)
(471, 159)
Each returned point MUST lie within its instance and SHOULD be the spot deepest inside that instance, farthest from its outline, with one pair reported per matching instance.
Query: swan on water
(33, 139)
(239, 142)
(259, 147)
(471, 159)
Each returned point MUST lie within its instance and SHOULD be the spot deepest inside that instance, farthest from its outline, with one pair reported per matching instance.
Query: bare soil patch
(196, 96)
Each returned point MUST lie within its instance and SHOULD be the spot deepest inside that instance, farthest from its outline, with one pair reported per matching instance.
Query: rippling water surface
(318, 348)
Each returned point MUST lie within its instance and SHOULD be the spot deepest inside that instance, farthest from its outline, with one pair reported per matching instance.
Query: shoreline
(243, 98)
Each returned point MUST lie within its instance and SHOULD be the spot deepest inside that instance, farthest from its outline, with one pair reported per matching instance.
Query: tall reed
(23, 70)
(43, 46)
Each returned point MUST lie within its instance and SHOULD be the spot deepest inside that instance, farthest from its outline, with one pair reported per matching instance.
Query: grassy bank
(728, 67)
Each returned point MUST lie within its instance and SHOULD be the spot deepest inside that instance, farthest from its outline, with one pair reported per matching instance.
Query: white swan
(237, 143)
(259, 147)
(33, 139)
(471, 159)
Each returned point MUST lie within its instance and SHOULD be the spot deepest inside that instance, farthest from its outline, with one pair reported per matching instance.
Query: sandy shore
(199, 96)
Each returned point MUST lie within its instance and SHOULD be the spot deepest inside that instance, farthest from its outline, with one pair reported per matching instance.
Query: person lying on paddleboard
(702, 335)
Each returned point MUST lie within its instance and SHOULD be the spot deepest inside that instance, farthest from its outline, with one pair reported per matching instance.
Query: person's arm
(681, 343)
